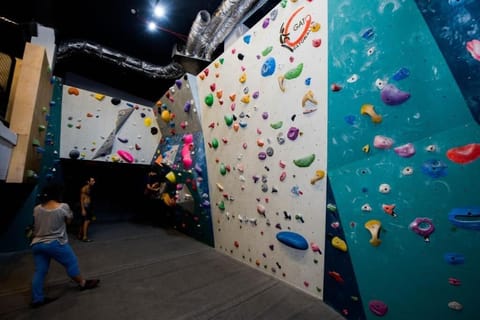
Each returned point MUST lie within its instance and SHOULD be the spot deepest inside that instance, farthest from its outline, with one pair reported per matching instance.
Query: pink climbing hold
(315, 247)
(378, 308)
(382, 142)
(464, 154)
(125, 155)
(406, 151)
(187, 146)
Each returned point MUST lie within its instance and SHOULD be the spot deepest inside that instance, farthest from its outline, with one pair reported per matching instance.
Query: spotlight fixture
(159, 11)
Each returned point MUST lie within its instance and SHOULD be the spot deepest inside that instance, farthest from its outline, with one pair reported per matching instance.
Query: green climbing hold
(223, 169)
(267, 50)
(277, 125)
(221, 60)
(305, 161)
(209, 100)
(294, 73)
(215, 143)
(228, 119)
(221, 205)
(35, 142)
(41, 128)
(283, 3)
(332, 207)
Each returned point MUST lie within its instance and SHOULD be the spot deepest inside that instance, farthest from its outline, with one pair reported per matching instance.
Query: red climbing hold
(464, 154)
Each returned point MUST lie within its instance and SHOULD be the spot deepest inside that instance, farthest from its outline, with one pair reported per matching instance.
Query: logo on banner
(295, 30)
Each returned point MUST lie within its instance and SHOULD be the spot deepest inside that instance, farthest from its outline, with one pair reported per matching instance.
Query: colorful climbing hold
(73, 90)
(373, 226)
(209, 99)
(434, 168)
(389, 209)
(319, 175)
(405, 151)
(368, 109)
(377, 307)
(382, 142)
(294, 73)
(466, 218)
(464, 154)
(392, 96)
(305, 161)
(339, 244)
(292, 239)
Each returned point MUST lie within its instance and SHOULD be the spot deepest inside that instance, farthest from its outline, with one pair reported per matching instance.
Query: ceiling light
(159, 11)
(152, 26)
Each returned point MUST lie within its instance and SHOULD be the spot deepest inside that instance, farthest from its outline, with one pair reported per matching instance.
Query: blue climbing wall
(388, 45)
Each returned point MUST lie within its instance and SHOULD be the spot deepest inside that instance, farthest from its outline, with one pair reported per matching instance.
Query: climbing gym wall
(402, 150)
(102, 128)
(182, 148)
(264, 120)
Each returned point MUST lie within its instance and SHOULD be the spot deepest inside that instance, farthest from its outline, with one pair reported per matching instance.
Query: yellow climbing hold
(315, 27)
(243, 78)
(339, 244)
(165, 115)
(147, 121)
(99, 96)
(373, 226)
(171, 177)
(246, 98)
(319, 175)
(369, 110)
(366, 148)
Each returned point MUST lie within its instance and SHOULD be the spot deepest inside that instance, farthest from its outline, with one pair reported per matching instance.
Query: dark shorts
(89, 214)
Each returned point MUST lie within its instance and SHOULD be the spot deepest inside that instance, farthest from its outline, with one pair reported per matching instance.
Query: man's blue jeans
(42, 254)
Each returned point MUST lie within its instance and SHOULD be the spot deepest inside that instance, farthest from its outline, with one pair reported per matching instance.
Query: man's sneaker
(45, 301)
(90, 284)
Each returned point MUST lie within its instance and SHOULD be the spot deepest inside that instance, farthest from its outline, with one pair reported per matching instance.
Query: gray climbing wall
(102, 128)
(264, 120)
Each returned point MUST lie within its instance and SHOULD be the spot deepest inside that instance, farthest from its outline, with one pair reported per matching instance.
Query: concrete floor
(148, 272)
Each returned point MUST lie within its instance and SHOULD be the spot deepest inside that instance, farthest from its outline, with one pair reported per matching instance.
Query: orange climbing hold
(74, 91)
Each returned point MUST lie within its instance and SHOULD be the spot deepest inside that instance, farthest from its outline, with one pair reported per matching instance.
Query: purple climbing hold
(393, 96)
(187, 106)
(265, 23)
(293, 133)
(178, 83)
(378, 307)
(262, 155)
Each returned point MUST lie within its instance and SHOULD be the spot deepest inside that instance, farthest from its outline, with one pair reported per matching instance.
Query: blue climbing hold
(401, 74)
(467, 218)
(292, 239)
(434, 168)
(454, 258)
(268, 67)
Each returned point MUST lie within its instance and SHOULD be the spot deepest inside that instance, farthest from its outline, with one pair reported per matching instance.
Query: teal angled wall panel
(369, 43)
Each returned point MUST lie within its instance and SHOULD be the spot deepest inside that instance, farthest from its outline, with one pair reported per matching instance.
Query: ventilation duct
(67, 49)
(227, 25)
(226, 17)
(198, 27)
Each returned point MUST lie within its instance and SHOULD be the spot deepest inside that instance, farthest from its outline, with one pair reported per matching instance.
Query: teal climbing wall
(374, 44)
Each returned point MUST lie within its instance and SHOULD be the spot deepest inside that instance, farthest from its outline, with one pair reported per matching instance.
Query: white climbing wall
(101, 128)
(268, 84)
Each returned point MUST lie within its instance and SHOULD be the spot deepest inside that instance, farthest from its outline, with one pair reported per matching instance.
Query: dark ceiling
(114, 26)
